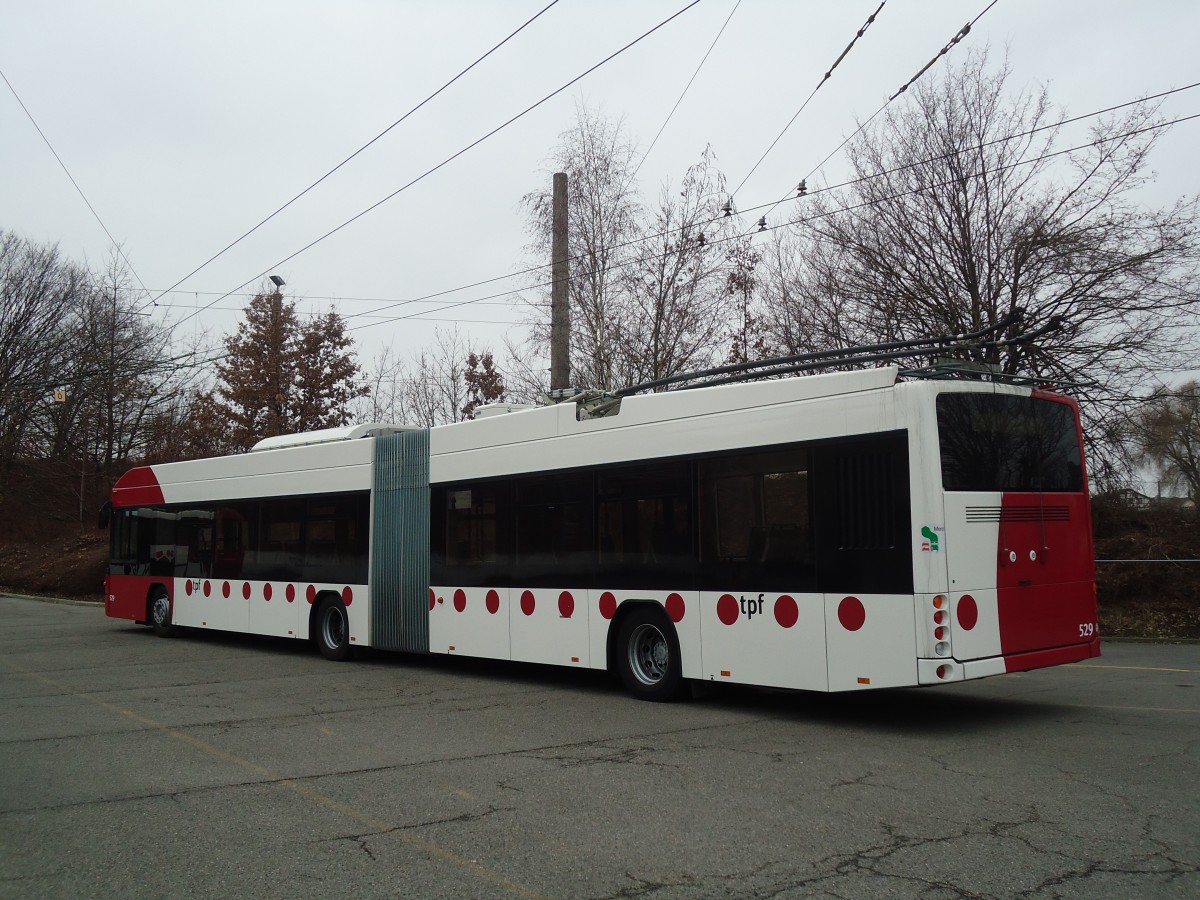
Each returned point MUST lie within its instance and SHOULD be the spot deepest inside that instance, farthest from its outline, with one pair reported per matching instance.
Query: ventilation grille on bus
(1018, 514)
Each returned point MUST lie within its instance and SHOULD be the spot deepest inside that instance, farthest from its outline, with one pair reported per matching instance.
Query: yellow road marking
(296, 787)
(1132, 668)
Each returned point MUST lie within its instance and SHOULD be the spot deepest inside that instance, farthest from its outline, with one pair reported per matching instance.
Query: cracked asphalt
(225, 766)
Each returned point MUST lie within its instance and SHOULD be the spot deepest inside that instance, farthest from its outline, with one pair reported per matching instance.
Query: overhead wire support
(393, 304)
(448, 159)
(861, 31)
(804, 219)
(950, 45)
(372, 141)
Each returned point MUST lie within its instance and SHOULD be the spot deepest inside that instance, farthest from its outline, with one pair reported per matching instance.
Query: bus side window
(555, 528)
(755, 519)
(644, 520)
(229, 549)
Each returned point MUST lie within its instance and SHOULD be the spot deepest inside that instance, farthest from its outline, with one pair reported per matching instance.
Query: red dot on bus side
(786, 611)
(527, 603)
(968, 612)
(311, 594)
(566, 604)
(852, 614)
(207, 588)
(493, 602)
(608, 605)
(347, 595)
(187, 587)
(727, 609)
(290, 593)
(432, 599)
(676, 607)
(246, 590)
(267, 592)
(460, 600)
(225, 590)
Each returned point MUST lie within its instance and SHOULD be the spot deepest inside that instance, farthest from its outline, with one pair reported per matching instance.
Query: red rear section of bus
(1046, 580)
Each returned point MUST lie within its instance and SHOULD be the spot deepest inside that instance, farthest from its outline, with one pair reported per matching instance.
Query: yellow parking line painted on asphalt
(1133, 668)
(296, 787)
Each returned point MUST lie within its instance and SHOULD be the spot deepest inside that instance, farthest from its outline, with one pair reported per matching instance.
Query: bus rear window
(998, 442)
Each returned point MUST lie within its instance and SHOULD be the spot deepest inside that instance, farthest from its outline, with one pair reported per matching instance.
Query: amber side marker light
(862, 680)
(939, 601)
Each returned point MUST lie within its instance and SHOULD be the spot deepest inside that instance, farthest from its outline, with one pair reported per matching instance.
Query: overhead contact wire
(449, 159)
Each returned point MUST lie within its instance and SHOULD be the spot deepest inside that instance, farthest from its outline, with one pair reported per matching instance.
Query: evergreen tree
(281, 376)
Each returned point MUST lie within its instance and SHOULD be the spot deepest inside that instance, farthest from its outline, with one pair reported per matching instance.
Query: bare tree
(603, 214)
(436, 385)
(959, 216)
(1167, 431)
(39, 296)
(678, 301)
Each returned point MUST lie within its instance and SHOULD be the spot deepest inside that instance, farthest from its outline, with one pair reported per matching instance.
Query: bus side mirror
(105, 515)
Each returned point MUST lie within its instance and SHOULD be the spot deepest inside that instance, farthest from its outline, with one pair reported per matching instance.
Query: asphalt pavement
(224, 766)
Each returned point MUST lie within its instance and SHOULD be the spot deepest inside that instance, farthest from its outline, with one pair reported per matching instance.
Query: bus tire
(161, 613)
(648, 656)
(333, 630)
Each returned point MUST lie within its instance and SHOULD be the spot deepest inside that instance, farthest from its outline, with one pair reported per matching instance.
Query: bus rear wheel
(160, 614)
(333, 630)
(648, 656)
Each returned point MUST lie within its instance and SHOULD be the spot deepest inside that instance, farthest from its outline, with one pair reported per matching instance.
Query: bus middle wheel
(648, 656)
(333, 630)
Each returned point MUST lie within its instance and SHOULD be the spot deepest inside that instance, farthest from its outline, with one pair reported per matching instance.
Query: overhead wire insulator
(762, 224)
(802, 187)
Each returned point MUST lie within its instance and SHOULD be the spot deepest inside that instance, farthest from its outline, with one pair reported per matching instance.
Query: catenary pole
(560, 314)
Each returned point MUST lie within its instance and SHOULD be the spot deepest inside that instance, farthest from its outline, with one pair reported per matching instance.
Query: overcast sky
(186, 124)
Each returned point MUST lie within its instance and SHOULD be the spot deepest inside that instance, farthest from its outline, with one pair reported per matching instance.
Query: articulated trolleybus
(829, 532)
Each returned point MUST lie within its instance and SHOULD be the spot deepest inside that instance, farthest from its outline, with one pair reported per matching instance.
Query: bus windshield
(998, 442)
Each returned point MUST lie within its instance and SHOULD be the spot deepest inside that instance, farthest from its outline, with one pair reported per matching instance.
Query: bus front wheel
(333, 630)
(160, 614)
(648, 656)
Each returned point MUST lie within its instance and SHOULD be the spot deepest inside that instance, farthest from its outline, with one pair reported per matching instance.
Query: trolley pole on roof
(560, 313)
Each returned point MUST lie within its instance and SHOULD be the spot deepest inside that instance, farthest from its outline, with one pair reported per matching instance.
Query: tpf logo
(729, 608)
